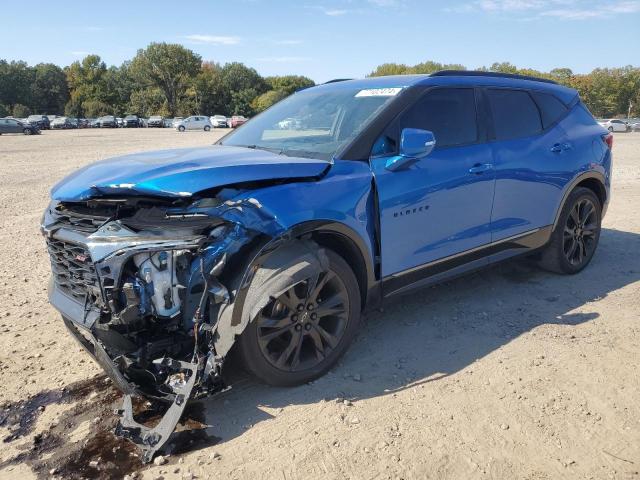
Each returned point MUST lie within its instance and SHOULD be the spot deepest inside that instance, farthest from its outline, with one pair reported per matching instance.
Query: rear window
(450, 113)
(550, 107)
(515, 115)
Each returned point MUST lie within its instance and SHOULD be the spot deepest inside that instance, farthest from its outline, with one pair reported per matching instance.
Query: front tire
(181, 129)
(300, 335)
(207, 128)
(576, 236)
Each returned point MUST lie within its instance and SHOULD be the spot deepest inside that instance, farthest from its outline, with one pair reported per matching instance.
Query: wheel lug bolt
(300, 307)
(314, 316)
(307, 326)
(294, 318)
(298, 327)
(310, 306)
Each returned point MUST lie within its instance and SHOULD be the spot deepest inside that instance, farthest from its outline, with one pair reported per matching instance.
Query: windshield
(314, 123)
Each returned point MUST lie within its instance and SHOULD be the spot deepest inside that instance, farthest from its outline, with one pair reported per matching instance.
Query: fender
(573, 183)
(230, 317)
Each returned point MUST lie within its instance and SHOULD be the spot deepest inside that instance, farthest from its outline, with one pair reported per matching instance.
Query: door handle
(480, 168)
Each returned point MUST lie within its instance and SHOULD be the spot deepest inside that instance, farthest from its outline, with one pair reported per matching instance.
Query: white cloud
(212, 39)
(287, 42)
(334, 12)
(562, 9)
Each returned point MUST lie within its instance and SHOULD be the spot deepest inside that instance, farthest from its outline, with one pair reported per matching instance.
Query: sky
(332, 38)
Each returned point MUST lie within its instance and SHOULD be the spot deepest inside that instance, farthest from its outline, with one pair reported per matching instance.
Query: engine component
(158, 270)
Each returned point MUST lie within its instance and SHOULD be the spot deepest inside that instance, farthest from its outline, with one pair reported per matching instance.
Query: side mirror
(414, 145)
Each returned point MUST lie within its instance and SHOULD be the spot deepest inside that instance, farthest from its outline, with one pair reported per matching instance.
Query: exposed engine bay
(147, 286)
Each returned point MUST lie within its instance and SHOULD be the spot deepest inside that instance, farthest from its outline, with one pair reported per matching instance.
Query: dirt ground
(508, 373)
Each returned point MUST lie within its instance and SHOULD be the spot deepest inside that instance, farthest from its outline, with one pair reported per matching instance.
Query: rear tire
(181, 129)
(207, 128)
(576, 236)
(27, 131)
(315, 331)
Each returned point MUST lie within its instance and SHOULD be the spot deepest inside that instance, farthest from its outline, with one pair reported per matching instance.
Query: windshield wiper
(279, 151)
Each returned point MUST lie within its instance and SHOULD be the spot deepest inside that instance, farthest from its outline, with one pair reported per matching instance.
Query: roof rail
(335, 80)
(475, 73)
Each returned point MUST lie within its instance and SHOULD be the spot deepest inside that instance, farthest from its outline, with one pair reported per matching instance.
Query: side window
(550, 107)
(515, 115)
(450, 113)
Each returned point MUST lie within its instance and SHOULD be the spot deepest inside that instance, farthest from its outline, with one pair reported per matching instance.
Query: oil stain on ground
(99, 455)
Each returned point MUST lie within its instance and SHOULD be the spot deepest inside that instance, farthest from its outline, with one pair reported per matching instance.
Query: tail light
(608, 139)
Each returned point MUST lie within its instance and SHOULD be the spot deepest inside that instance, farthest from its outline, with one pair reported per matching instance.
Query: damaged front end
(141, 283)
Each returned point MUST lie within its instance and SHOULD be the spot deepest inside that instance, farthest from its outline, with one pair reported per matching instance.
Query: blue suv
(274, 240)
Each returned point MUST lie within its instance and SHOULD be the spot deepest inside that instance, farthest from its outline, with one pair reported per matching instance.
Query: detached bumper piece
(150, 440)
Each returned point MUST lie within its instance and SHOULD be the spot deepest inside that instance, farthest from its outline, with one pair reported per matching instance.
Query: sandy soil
(508, 373)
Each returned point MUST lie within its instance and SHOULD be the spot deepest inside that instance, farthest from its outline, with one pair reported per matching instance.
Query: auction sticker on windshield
(379, 92)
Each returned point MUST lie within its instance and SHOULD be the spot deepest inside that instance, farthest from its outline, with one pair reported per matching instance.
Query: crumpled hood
(182, 172)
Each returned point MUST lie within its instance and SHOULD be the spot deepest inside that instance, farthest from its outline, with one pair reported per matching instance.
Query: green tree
(169, 67)
(4, 111)
(289, 83)
(390, 69)
(94, 108)
(267, 99)
(244, 84)
(211, 92)
(49, 91)
(148, 101)
(15, 83)
(21, 111)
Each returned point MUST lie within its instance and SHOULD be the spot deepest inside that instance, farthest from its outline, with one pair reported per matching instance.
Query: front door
(441, 205)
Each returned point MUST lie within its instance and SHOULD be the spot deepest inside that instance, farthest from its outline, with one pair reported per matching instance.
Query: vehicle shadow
(441, 330)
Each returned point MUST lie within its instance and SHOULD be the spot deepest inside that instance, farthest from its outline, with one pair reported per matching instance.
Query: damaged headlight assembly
(141, 293)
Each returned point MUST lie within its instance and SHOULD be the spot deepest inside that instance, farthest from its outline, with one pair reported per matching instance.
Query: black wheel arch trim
(573, 184)
(262, 251)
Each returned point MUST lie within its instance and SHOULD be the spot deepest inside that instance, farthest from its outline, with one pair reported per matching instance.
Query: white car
(219, 121)
(615, 125)
(195, 122)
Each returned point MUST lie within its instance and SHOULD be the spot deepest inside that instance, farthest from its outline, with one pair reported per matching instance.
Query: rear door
(441, 205)
(528, 154)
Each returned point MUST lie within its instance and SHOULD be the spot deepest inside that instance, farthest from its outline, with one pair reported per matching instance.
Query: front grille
(73, 270)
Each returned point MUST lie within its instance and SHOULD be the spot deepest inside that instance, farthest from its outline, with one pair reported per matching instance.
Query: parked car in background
(131, 121)
(61, 123)
(40, 121)
(83, 123)
(13, 125)
(108, 121)
(120, 122)
(634, 124)
(75, 123)
(615, 125)
(155, 121)
(167, 123)
(237, 120)
(94, 123)
(175, 121)
(219, 121)
(51, 118)
(195, 122)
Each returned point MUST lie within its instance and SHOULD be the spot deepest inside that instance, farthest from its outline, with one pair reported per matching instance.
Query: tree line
(162, 79)
(169, 80)
(607, 92)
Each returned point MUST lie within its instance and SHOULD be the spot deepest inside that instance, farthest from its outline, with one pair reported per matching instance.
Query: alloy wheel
(299, 329)
(579, 240)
